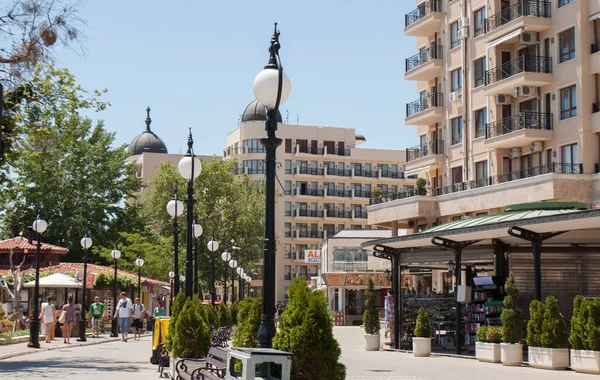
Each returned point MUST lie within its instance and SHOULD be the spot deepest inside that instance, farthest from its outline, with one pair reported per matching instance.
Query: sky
(193, 62)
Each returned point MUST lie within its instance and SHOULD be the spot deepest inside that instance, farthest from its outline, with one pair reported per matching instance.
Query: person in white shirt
(124, 310)
(138, 316)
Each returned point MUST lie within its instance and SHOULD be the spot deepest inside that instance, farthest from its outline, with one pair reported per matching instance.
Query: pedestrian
(124, 310)
(69, 310)
(159, 311)
(48, 316)
(138, 315)
(97, 311)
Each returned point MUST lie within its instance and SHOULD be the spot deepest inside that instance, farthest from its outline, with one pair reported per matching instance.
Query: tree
(534, 326)
(246, 332)
(579, 322)
(422, 326)
(192, 335)
(371, 315)
(223, 315)
(554, 330)
(176, 308)
(14, 281)
(511, 318)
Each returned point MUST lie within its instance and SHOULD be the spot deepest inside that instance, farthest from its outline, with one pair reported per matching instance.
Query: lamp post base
(34, 333)
(81, 325)
(266, 331)
(113, 329)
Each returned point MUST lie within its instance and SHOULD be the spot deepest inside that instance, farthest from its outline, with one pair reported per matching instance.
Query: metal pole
(397, 303)
(189, 274)
(34, 324)
(232, 285)
(240, 290)
(175, 247)
(196, 286)
(140, 283)
(537, 268)
(225, 283)
(113, 324)
(458, 316)
(82, 319)
(212, 274)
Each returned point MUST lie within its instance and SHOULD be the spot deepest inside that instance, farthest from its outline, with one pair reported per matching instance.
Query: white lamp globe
(116, 254)
(40, 226)
(86, 242)
(171, 275)
(182, 278)
(212, 245)
(139, 262)
(197, 229)
(185, 167)
(249, 279)
(175, 206)
(226, 256)
(239, 271)
(265, 87)
(233, 264)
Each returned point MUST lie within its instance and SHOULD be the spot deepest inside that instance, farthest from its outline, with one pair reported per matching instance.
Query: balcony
(310, 213)
(425, 20)
(426, 154)
(358, 172)
(338, 172)
(313, 150)
(391, 174)
(336, 152)
(425, 111)
(425, 64)
(339, 214)
(526, 70)
(308, 192)
(595, 59)
(338, 193)
(362, 194)
(532, 15)
(242, 150)
(308, 234)
(357, 266)
(520, 129)
(308, 171)
(394, 196)
(362, 214)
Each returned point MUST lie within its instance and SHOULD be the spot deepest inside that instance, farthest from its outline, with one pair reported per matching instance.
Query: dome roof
(255, 111)
(147, 141)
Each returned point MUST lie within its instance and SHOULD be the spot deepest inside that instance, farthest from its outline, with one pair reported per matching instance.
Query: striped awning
(505, 38)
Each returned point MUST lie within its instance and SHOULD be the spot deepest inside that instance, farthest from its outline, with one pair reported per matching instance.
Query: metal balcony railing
(394, 196)
(311, 213)
(522, 120)
(310, 150)
(339, 214)
(421, 58)
(362, 194)
(360, 214)
(366, 173)
(338, 193)
(309, 234)
(535, 8)
(306, 170)
(350, 267)
(423, 9)
(525, 63)
(424, 150)
(430, 101)
(391, 174)
(310, 192)
(339, 172)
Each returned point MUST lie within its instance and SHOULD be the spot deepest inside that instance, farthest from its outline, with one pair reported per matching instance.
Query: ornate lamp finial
(148, 120)
(190, 142)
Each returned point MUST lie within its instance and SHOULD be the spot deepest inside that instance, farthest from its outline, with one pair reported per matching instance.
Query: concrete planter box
(511, 354)
(421, 346)
(548, 358)
(372, 342)
(191, 365)
(585, 361)
(487, 352)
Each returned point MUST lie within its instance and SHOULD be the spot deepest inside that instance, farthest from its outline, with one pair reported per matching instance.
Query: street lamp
(249, 279)
(190, 168)
(138, 263)
(172, 282)
(232, 265)
(225, 256)
(39, 226)
(116, 254)
(240, 272)
(387, 274)
(197, 233)
(271, 88)
(175, 209)
(86, 243)
(182, 280)
(451, 267)
(212, 247)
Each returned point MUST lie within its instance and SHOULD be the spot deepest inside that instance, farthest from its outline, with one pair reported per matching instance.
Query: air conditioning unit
(463, 22)
(536, 146)
(463, 33)
(524, 91)
(528, 38)
(502, 99)
(514, 152)
(454, 97)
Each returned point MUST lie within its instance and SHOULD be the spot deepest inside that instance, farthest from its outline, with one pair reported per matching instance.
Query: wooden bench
(216, 362)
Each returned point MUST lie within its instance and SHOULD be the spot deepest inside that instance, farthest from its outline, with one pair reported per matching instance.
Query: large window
(481, 172)
(568, 102)
(479, 17)
(457, 130)
(564, 2)
(566, 45)
(287, 272)
(253, 146)
(570, 158)
(457, 80)
(479, 71)
(255, 166)
(454, 41)
(347, 259)
(480, 122)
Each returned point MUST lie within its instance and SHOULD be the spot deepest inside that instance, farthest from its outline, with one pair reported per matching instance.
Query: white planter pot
(372, 342)
(511, 354)
(487, 352)
(191, 365)
(421, 346)
(549, 358)
(586, 361)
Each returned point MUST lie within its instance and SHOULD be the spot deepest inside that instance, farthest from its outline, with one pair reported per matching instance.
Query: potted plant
(422, 335)
(421, 183)
(487, 347)
(371, 320)
(377, 192)
(585, 334)
(191, 339)
(547, 336)
(511, 349)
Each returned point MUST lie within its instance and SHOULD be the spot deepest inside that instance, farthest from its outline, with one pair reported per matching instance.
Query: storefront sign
(380, 280)
(312, 256)
(335, 279)
(355, 279)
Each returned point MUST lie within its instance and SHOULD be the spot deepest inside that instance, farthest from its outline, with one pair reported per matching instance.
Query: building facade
(508, 108)
(326, 183)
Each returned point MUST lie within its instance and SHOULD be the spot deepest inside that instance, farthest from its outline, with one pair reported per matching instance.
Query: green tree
(554, 330)
(422, 326)
(578, 322)
(233, 312)
(511, 318)
(371, 314)
(534, 326)
(223, 315)
(246, 332)
(176, 308)
(593, 326)
(192, 334)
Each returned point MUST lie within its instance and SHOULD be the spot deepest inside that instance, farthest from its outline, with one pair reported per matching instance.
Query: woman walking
(69, 310)
(48, 316)
(159, 311)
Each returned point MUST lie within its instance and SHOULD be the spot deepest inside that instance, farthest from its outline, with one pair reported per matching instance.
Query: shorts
(137, 323)
(124, 325)
(96, 322)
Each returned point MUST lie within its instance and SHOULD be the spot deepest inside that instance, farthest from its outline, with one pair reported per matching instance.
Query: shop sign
(355, 279)
(312, 256)
(90, 280)
(335, 279)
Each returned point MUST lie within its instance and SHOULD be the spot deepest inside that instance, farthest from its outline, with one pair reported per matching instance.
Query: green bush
(554, 329)
(593, 325)
(192, 335)
(377, 192)
(210, 315)
(512, 319)
(246, 331)
(494, 334)
(371, 314)
(178, 303)
(223, 316)
(306, 329)
(482, 334)
(577, 338)
(233, 312)
(422, 326)
(534, 326)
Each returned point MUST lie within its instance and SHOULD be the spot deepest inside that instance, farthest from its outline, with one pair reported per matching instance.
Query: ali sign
(312, 256)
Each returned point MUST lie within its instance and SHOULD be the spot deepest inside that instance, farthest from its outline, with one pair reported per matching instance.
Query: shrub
(494, 334)
(233, 312)
(512, 319)
(5, 323)
(223, 316)
(578, 323)
(593, 325)
(422, 326)
(482, 334)
(554, 329)
(306, 329)
(192, 335)
(511, 292)
(534, 326)
(377, 192)
(210, 315)
(371, 314)
(178, 303)
(246, 331)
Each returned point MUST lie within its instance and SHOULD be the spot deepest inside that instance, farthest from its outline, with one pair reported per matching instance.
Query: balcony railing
(338, 172)
(596, 47)
(422, 10)
(421, 58)
(338, 193)
(311, 213)
(310, 150)
(535, 8)
(360, 214)
(522, 120)
(339, 152)
(525, 63)
(394, 196)
(310, 192)
(430, 101)
(362, 194)
(306, 170)
(309, 234)
(424, 150)
(391, 174)
(366, 173)
(350, 267)
(339, 214)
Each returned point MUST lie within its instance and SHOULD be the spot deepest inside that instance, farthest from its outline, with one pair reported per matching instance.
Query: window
(254, 166)
(480, 67)
(481, 172)
(287, 253)
(570, 159)
(480, 122)
(288, 230)
(457, 130)
(566, 45)
(288, 166)
(457, 175)
(454, 41)
(287, 272)
(253, 146)
(564, 2)
(288, 188)
(479, 17)
(288, 208)
(457, 80)
(568, 103)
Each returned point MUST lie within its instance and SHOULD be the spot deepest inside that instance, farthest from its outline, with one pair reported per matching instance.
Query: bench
(220, 337)
(216, 362)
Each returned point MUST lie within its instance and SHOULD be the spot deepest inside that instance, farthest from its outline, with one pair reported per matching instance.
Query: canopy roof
(56, 280)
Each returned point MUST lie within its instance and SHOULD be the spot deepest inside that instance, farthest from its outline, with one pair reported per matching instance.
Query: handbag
(63, 317)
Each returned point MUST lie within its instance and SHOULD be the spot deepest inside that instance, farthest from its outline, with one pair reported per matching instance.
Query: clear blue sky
(194, 62)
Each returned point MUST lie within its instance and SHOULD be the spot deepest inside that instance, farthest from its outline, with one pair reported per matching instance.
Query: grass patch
(14, 334)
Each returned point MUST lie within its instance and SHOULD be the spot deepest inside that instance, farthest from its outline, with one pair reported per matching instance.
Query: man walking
(97, 311)
(138, 319)
(124, 310)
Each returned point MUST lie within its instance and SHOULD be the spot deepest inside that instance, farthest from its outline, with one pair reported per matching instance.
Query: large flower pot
(586, 361)
(549, 358)
(421, 346)
(511, 354)
(189, 365)
(487, 352)
(372, 342)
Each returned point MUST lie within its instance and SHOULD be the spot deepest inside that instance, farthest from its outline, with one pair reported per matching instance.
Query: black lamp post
(116, 254)
(175, 209)
(39, 226)
(138, 263)
(271, 88)
(212, 247)
(172, 281)
(182, 281)
(197, 233)
(225, 256)
(240, 271)
(232, 265)
(86, 243)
